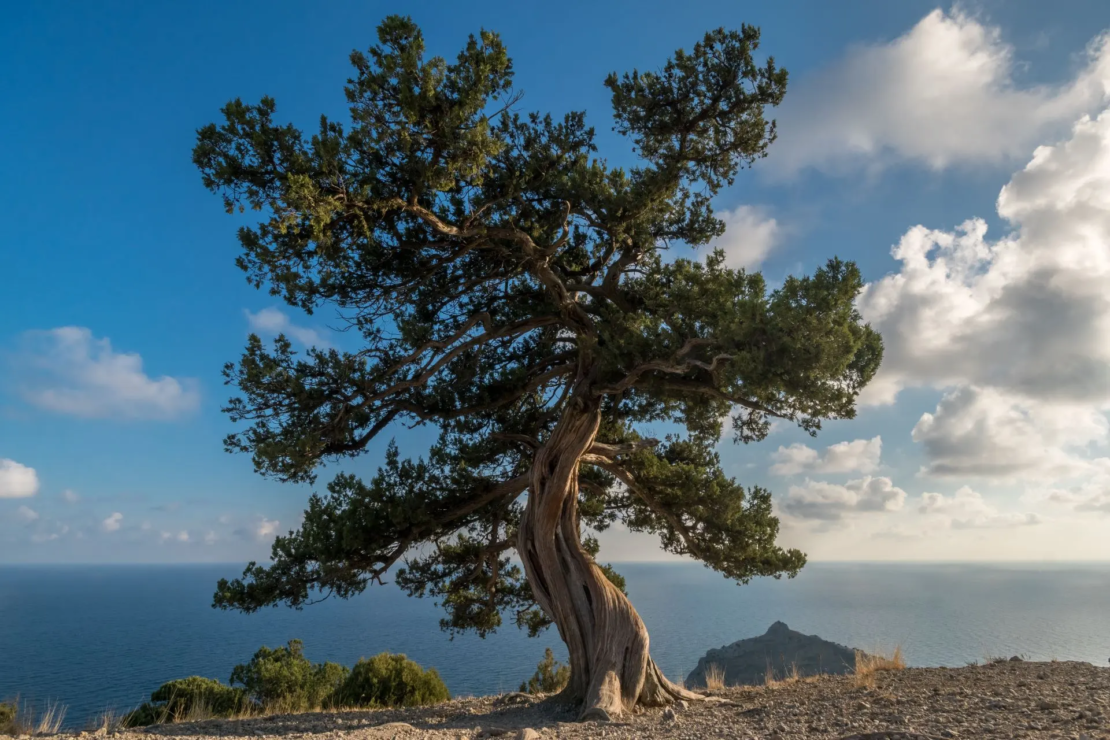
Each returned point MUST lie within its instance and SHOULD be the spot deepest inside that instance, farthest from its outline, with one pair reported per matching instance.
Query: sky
(959, 154)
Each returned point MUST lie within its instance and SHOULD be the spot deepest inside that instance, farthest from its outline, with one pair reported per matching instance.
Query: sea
(97, 638)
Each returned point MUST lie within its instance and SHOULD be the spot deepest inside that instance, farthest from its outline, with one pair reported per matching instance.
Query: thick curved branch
(611, 451)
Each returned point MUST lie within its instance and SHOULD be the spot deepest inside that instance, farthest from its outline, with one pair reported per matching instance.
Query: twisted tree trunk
(611, 669)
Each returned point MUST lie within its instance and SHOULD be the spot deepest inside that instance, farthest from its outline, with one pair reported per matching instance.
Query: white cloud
(40, 537)
(266, 528)
(750, 235)
(27, 514)
(71, 372)
(1018, 329)
(983, 432)
(17, 481)
(945, 93)
(831, 502)
(273, 321)
(1091, 495)
(70, 496)
(966, 509)
(182, 536)
(210, 538)
(112, 523)
(860, 455)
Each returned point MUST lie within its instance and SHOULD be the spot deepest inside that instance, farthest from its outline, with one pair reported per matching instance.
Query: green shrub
(389, 680)
(283, 679)
(8, 716)
(550, 676)
(188, 698)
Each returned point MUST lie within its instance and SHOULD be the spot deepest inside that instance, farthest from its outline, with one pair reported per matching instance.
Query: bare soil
(1011, 699)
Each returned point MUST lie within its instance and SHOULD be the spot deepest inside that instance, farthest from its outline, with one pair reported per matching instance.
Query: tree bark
(611, 668)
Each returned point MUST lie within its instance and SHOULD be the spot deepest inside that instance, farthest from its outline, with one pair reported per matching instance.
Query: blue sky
(985, 436)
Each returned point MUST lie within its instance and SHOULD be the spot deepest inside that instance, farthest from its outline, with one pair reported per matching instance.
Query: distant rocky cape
(780, 650)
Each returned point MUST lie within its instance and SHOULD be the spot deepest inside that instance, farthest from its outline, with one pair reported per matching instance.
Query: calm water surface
(99, 637)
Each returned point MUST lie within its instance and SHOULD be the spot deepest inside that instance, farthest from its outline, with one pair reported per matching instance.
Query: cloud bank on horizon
(1007, 335)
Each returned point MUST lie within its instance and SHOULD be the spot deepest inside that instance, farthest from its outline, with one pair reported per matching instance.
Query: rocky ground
(1011, 699)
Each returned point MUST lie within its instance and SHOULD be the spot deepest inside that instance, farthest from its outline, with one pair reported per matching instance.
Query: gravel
(1010, 699)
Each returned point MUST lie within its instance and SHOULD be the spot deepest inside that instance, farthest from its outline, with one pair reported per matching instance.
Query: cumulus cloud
(830, 502)
(750, 235)
(266, 528)
(272, 321)
(983, 432)
(942, 94)
(966, 509)
(17, 481)
(860, 455)
(71, 372)
(27, 514)
(1018, 329)
(112, 523)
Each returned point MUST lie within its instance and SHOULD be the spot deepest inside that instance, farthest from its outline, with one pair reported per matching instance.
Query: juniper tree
(511, 290)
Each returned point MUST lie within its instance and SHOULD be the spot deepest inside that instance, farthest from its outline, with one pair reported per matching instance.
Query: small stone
(396, 727)
(1045, 705)
(862, 706)
(1016, 659)
(949, 733)
(528, 734)
(682, 705)
(669, 715)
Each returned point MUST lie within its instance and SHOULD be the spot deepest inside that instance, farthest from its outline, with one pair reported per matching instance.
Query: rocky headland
(778, 653)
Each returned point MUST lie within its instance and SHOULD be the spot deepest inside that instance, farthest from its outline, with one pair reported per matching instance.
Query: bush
(550, 676)
(188, 698)
(8, 715)
(284, 680)
(389, 680)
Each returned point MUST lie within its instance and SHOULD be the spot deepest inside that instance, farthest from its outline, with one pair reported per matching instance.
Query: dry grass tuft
(21, 719)
(714, 677)
(107, 721)
(867, 665)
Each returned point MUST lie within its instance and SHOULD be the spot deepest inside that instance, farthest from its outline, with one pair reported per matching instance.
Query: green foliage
(9, 719)
(188, 697)
(496, 272)
(550, 676)
(282, 678)
(391, 680)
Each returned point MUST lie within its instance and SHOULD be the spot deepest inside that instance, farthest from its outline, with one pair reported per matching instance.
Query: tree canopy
(499, 276)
